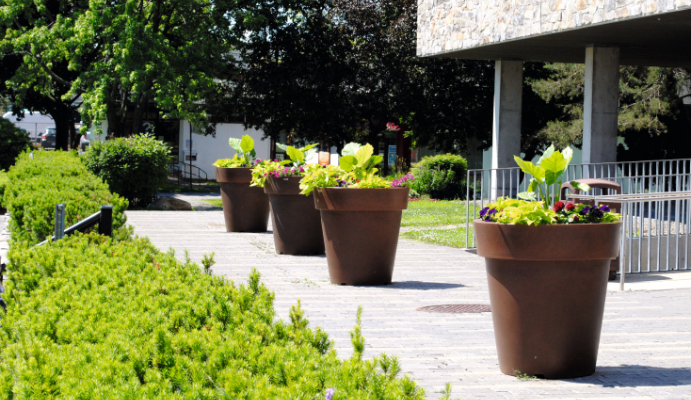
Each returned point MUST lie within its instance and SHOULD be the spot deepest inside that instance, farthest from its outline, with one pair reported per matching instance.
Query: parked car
(47, 140)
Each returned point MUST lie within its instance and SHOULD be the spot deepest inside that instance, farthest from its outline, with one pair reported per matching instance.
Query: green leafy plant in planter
(547, 176)
(550, 256)
(356, 169)
(294, 166)
(245, 154)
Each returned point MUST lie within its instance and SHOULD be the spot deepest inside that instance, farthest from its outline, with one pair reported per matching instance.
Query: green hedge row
(91, 317)
(37, 182)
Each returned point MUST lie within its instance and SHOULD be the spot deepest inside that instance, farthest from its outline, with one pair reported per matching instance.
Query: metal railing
(656, 220)
(103, 218)
(645, 239)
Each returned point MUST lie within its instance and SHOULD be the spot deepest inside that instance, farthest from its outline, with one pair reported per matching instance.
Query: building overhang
(654, 39)
(660, 40)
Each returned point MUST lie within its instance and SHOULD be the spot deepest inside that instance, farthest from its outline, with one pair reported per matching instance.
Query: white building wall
(34, 123)
(209, 149)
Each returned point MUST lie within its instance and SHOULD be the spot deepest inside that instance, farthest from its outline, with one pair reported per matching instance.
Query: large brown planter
(245, 208)
(547, 287)
(296, 223)
(361, 232)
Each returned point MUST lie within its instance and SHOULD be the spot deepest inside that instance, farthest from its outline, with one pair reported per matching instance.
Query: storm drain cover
(457, 308)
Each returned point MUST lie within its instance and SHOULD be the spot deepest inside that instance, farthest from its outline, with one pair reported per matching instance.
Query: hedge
(13, 141)
(454, 168)
(91, 317)
(36, 185)
(133, 167)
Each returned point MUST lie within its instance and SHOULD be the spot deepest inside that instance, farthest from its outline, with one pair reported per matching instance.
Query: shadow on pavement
(417, 285)
(637, 375)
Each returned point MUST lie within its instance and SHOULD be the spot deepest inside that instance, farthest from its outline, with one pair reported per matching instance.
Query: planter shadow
(637, 375)
(417, 285)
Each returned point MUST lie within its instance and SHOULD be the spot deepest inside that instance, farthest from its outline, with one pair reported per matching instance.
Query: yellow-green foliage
(520, 212)
(36, 185)
(4, 181)
(93, 318)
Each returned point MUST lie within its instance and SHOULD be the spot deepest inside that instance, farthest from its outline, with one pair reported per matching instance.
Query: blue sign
(392, 154)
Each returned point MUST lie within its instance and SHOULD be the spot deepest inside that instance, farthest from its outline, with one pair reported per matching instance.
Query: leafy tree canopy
(116, 56)
(336, 71)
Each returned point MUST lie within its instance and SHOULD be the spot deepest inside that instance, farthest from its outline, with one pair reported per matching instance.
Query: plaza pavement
(645, 350)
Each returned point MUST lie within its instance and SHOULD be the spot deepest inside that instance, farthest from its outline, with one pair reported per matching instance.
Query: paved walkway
(645, 351)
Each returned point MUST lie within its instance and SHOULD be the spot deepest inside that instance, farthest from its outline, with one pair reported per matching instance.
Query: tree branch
(44, 67)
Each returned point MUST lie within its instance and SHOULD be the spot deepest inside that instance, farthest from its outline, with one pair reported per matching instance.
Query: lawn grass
(214, 202)
(434, 213)
(426, 214)
(454, 237)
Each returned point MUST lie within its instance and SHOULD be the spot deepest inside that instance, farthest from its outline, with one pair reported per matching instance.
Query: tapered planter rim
(356, 199)
(523, 246)
(233, 175)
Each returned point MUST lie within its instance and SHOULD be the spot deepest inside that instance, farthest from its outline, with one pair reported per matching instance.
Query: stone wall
(449, 25)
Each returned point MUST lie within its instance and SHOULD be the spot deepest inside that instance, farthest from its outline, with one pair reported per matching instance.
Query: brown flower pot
(245, 208)
(297, 224)
(361, 232)
(547, 287)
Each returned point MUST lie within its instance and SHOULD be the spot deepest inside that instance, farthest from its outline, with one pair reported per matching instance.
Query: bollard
(105, 225)
(59, 222)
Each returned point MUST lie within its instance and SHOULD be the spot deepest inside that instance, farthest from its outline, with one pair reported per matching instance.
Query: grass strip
(454, 237)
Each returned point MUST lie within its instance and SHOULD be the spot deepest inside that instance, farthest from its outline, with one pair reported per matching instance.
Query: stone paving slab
(645, 350)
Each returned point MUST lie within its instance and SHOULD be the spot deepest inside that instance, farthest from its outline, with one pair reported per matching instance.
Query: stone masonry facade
(450, 25)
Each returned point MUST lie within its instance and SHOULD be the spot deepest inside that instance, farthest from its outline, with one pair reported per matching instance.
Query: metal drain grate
(457, 308)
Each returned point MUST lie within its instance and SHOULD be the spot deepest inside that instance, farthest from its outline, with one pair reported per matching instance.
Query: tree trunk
(114, 120)
(140, 106)
(64, 126)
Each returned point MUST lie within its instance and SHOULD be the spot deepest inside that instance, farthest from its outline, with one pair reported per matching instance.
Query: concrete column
(601, 104)
(506, 125)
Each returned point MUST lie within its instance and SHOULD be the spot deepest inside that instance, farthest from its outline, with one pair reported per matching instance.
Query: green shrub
(445, 172)
(4, 181)
(13, 141)
(133, 167)
(36, 185)
(93, 318)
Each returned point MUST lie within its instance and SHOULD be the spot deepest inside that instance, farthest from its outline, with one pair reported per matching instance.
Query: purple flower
(483, 212)
(604, 208)
(585, 210)
(596, 213)
(329, 394)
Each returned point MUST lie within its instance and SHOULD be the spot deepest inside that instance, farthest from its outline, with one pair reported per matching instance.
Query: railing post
(105, 225)
(59, 221)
